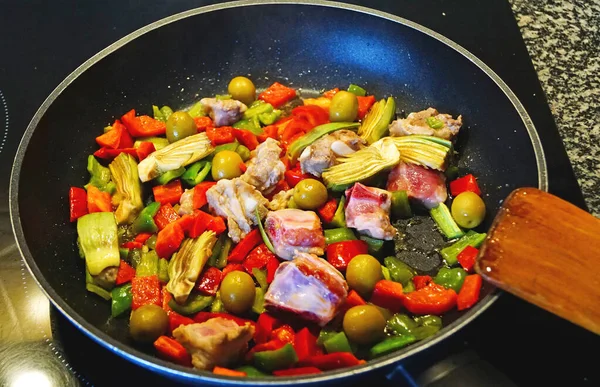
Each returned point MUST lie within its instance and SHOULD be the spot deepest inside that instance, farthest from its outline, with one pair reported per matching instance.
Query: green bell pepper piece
(374, 245)
(166, 112)
(451, 278)
(225, 248)
(390, 345)
(99, 241)
(197, 110)
(298, 146)
(386, 273)
(216, 252)
(434, 123)
(251, 124)
(334, 235)
(410, 287)
(337, 343)
(100, 176)
(123, 253)
(197, 172)
(244, 152)
(98, 291)
(169, 175)
(163, 270)
(357, 90)
(148, 265)
(427, 326)
(135, 257)
(261, 278)
(230, 146)
(450, 253)
(451, 172)
(158, 115)
(442, 216)
(258, 306)
(281, 358)
(399, 271)
(194, 304)
(121, 300)
(258, 107)
(159, 142)
(217, 304)
(251, 372)
(400, 324)
(151, 242)
(324, 335)
(145, 220)
(269, 118)
(401, 205)
(263, 234)
(339, 218)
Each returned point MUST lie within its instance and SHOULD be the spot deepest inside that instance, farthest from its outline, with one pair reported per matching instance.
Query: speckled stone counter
(563, 39)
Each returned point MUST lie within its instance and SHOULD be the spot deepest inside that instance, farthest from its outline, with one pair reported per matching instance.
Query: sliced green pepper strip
(197, 110)
(121, 300)
(166, 112)
(337, 343)
(334, 235)
(197, 172)
(258, 107)
(281, 358)
(230, 146)
(251, 372)
(450, 253)
(399, 271)
(375, 245)
(298, 146)
(148, 265)
(357, 90)
(339, 218)
(451, 278)
(258, 306)
(324, 335)
(169, 175)
(194, 304)
(100, 176)
(400, 324)
(390, 345)
(269, 118)
(244, 152)
(98, 290)
(225, 248)
(386, 273)
(216, 252)
(158, 114)
(217, 304)
(159, 142)
(251, 124)
(401, 205)
(442, 216)
(145, 220)
(163, 270)
(264, 235)
(261, 278)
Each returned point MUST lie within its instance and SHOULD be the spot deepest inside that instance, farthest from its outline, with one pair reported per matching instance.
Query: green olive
(237, 292)
(364, 324)
(242, 89)
(310, 194)
(344, 107)
(363, 272)
(226, 165)
(180, 125)
(147, 323)
(468, 209)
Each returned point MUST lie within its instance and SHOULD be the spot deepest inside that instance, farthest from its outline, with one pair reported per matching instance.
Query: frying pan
(309, 45)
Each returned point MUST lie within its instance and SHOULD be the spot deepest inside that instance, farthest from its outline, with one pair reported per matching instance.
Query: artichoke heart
(375, 124)
(363, 164)
(187, 263)
(427, 151)
(174, 156)
(128, 198)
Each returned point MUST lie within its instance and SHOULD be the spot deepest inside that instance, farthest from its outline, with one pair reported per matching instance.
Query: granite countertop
(563, 39)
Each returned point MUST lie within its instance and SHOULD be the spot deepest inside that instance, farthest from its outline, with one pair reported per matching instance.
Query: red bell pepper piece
(277, 94)
(176, 320)
(143, 237)
(169, 239)
(421, 281)
(295, 128)
(116, 138)
(145, 291)
(467, 257)
(246, 138)
(331, 361)
(172, 350)
(270, 131)
(339, 254)
(469, 293)
(168, 193)
(220, 135)
(272, 266)
(186, 222)
(388, 295)
(242, 249)
(142, 126)
(125, 273)
(243, 167)
(77, 203)
(432, 299)
(284, 333)
(305, 344)
(364, 104)
(327, 210)
(258, 258)
(203, 123)
(199, 199)
(144, 150)
(282, 185)
(265, 325)
(201, 222)
(108, 154)
(315, 115)
(464, 184)
(165, 215)
(228, 372)
(98, 201)
(354, 299)
(294, 176)
(166, 297)
(297, 371)
(217, 224)
(232, 267)
(132, 245)
(330, 93)
(209, 281)
(272, 345)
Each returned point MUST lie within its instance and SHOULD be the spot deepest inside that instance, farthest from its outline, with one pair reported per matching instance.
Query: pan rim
(164, 367)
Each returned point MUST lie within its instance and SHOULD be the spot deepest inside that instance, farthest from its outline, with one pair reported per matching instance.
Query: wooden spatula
(546, 251)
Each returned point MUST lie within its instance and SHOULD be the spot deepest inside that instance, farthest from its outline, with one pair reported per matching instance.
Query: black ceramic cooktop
(513, 343)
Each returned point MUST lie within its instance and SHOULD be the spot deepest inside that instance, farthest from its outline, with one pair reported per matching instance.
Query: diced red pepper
(186, 222)
(388, 295)
(168, 240)
(168, 193)
(98, 201)
(165, 215)
(209, 281)
(199, 199)
(109, 154)
(277, 94)
(77, 203)
(297, 371)
(469, 293)
(228, 372)
(243, 167)
(272, 266)
(144, 150)
(232, 267)
(330, 93)
(270, 131)
(354, 299)
(142, 126)
(176, 320)
(242, 249)
(203, 123)
(284, 333)
(220, 135)
(305, 344)
(464, 184)
(166, 297)
(246, 138)
(432, 299)
(258, 258)
(282, 185)
(265, 325)
(313, 114)
(132, 245)
(172, 350)
(330, 361)
(143, 237)
(201, 222)
(116, 138)
(272, 345)
(125, 273)
(327, 210)
(339, 254)
(217, 224)
(145, 291)
(294, 176)
(421, 281)
(364, 104)
(294, 129)
(467, 257)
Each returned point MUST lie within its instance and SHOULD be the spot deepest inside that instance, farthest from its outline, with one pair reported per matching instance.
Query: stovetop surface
(512, 343)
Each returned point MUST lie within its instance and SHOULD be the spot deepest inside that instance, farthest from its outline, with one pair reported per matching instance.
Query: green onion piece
(390, 345)
(442, 216)
(434, 123)
(225, 248)
(401, 205)
(450, 253)
(216, 252)
(357, 90)
(261, 278)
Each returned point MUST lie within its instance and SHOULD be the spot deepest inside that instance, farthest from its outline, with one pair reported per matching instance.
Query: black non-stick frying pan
(310, 45)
